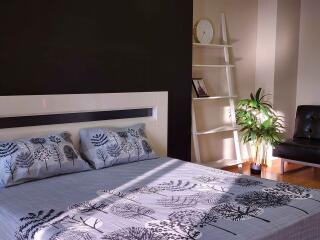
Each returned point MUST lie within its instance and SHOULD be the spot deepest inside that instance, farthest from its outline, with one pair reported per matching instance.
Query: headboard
(23, 116)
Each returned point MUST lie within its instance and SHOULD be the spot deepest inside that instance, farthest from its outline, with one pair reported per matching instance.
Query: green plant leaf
(258, 94)
(248, 112)
(266, 124)
(264, 110)
(268, 104)
(253, 136)
(253, 104)
(263, 96)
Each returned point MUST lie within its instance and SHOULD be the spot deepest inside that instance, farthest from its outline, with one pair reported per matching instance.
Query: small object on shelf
(200, 87)
(203, 31)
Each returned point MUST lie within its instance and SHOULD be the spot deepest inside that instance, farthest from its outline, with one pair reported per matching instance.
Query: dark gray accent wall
(101, 46)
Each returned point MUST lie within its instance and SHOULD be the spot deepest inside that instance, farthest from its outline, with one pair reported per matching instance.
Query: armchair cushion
(299, 149)
(307, 122)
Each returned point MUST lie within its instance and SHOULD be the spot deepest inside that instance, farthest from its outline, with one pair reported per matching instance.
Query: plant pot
(255, 168)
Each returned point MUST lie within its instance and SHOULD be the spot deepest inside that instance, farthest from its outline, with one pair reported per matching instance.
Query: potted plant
(260, 126)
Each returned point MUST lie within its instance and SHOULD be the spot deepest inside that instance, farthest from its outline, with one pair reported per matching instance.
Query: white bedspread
(158, 199)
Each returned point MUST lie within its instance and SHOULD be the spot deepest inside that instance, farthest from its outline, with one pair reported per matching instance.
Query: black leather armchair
(304, 148)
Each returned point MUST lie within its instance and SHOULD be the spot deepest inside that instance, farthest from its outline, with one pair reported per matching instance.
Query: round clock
(203, 31)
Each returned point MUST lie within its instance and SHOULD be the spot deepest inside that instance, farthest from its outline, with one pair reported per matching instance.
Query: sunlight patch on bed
(148, 174)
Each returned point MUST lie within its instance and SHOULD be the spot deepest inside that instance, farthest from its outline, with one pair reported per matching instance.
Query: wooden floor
(299, 175)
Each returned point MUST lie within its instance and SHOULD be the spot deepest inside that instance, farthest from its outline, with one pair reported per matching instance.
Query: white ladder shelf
(231, 98)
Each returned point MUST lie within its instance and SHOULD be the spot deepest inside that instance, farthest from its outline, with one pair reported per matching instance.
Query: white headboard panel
(13, 108)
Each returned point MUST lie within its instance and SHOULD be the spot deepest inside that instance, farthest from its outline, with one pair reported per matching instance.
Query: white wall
(277, 55)
(266, 45)
(308, 88)
(286, 61)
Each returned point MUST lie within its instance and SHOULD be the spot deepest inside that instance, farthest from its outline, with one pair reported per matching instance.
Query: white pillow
(34, 158)
(105, 147)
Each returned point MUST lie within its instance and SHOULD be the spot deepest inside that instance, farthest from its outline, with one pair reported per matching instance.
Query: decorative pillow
(105, 147)
(34, 158)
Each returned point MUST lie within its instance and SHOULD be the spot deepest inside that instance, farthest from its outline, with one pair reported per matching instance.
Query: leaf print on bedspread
(262, 199)
(146, 147)
(208, 179)
(134, 133)
(67, 137)
(10, 168)
(176, 186)
(57, 155)
(7, 149)
(99, 139)
(239, 181)
(244, 182)
(102, 156)
(90, 206)
(19, 236)
(70, 154)
(25, 160)
(117, 194)
(292, 191)
(127, 147)
(39, 140)
(212, 183)
(123, 135)
(223, 172)
(212, 199)
(197, 218)
(178, 202)
(236, 212)
(73, 234)
(131, 211)
(34, 222)
(142, 132)
(169, 230)
(137, 147)
(80, 223)
(43, 154)
(55, 139)
(146, 190)
(114, 150)
(133, 233)
(221, 189)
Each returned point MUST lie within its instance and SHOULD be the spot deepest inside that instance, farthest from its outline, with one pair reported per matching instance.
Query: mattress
(158, 199)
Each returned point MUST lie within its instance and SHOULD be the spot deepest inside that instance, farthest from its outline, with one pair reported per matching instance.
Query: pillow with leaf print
(34, 158)
(105, 147)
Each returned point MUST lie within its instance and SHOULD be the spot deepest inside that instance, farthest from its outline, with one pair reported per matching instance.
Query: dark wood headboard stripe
(38, 120)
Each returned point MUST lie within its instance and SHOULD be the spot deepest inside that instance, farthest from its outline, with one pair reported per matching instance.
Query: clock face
(204, 32)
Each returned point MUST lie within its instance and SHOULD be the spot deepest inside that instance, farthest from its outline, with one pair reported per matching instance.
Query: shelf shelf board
(216, 130)
(212, 65)
(213, 98)
(211, 45)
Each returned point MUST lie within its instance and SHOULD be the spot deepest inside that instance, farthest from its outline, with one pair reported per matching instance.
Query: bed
(160, 198)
